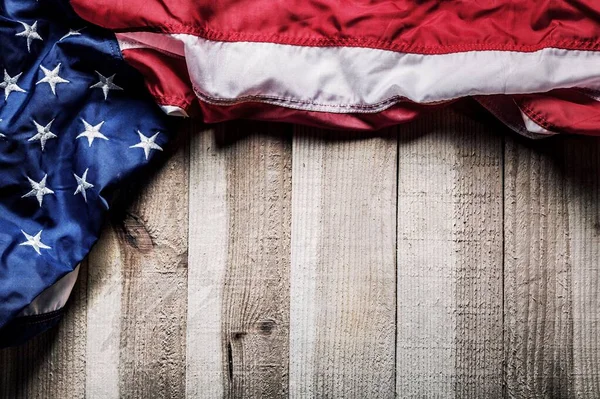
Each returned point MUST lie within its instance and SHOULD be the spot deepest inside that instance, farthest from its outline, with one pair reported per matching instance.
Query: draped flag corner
(75, 123)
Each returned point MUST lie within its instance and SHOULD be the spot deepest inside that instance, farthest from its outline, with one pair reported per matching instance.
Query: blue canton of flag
(75, 120)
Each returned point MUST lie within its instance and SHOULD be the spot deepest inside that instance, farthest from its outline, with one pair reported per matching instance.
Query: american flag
(365, 64)
(75, 121)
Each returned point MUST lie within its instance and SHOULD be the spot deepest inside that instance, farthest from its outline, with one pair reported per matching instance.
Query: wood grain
(104, 314)
(153, 246)
(449, 321)
(582, 170)
(551, 275)
(207, 263)
(446, 258)
(343, 266)
(239, 270)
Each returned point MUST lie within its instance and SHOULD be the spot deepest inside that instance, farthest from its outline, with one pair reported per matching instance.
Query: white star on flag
(147, 143)
(43, 133)
(105, 84)
(92, 132)
(72, 32)
(82, 184)
(51, 77)
(10, 84)
(35, 241)
(38, 190)
(30, 33)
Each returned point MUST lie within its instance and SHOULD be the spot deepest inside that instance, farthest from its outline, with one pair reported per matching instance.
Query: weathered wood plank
(343, 266)
(154, 242)
(136, 296)
(449, 341)
(551, 269)
(583, 204)
(208, 232)
(137, 291)
(104, 315)
(538, 317)
(52, 365)
(240, 218)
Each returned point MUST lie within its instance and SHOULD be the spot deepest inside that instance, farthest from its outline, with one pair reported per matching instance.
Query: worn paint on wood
(551, 274)
(582, 171)
(104, 314)
(445, 258)
(239, 296)
(449, 259)
(153, 239)
(208, 230)
(343, 266)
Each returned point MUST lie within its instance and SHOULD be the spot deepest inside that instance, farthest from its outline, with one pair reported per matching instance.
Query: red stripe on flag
(425, 27)
(399, 113)
(166, 77)
(564, 111)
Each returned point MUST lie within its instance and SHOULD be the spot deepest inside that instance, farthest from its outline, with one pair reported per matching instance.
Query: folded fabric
(75, 122)
(365, 64)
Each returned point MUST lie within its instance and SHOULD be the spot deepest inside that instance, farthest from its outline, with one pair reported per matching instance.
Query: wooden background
(445, 258)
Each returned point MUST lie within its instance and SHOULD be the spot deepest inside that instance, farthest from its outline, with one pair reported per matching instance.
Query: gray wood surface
(445, 258)
(239, 303)
(551, 268)
(342, 285)
(449, 259)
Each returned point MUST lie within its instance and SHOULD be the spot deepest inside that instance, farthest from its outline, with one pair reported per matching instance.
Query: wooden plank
(551, 278)
(343, 265)
(104, 313)
(582, 170)
(52, 365)
(449, 339)
(538, 315)
(208, 232)
(240, 215)
(153, 247)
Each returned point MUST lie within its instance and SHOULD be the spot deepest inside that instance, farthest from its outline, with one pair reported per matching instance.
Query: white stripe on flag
(363, 80)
